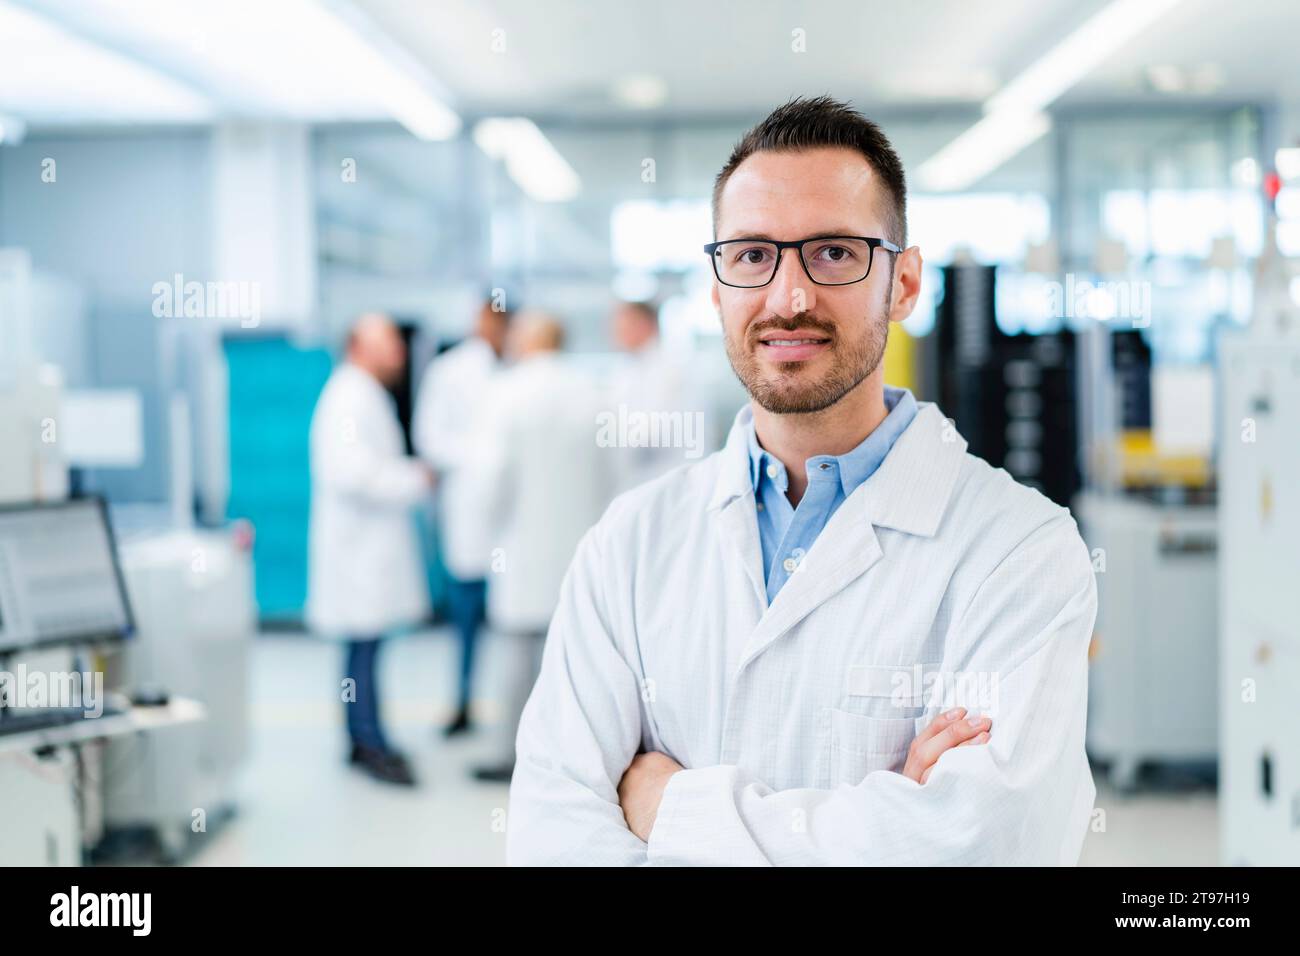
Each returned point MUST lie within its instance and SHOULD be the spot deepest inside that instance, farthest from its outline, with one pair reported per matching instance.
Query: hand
(642, 788)
(946, 731)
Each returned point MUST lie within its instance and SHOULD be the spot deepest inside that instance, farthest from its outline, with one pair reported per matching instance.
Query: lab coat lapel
(908, 492)
(733, 505)
(846, 548)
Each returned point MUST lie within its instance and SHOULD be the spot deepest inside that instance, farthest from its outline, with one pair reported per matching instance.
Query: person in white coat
(650, 382)
(545, 481)
(365, 574)
(841, 639)
(446, 434)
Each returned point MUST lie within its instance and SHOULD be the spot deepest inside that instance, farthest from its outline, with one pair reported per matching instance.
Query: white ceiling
(194, 60)
(562, 57)
(721, 58)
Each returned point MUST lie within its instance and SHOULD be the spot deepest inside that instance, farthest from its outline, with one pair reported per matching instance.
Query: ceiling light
(51, 75)
(641, 91)
(312, 60)
(1014, 116)
(1166, 78)
(532, 161)
(980, 150)
(1078, 54)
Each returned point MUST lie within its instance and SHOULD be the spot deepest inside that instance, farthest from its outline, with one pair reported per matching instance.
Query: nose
(790, 292)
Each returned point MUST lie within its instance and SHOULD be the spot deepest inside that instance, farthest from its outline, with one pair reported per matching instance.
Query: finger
(981, 738)
(939, 723)
(951, 736)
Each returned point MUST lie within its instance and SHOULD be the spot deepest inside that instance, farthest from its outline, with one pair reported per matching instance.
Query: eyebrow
(825, 234)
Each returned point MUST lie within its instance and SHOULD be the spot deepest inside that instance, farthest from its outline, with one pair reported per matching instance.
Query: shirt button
(773, 471)
(759, 506)
(790, 564)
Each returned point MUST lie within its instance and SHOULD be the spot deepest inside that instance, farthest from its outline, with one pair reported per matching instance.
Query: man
(544, 482)
(648, 381)
(445, 435)
(742, 668)
(365, 577)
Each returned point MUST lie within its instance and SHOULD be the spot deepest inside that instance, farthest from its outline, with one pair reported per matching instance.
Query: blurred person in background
(649, 380)
(444, 433)
(365, 573)
(545, 481)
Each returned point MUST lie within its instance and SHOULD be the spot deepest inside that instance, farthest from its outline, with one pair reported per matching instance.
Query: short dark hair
(811, 123)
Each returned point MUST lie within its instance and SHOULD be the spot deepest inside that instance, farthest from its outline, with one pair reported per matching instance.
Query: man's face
(797, 346)
(633, 329)
(494, 328)
(377, 346)
(390, 355)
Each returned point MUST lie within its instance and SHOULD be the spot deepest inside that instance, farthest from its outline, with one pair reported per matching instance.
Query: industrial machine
(1149, 519)
(192, 594)
(61, 595)
(1012, 396)
(1259, 777)
(1151, 684)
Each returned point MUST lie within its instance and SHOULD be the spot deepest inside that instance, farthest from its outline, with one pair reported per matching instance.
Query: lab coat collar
(909, 492)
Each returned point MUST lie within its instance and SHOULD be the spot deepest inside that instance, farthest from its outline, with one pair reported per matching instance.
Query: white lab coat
(366, 573)
(789, 718)
(544, 482)
(445, 431)
(651, 381)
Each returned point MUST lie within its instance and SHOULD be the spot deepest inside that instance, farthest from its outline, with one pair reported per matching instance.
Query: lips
(796, 346)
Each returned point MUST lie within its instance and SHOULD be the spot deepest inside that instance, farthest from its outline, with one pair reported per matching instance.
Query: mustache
(792, 324)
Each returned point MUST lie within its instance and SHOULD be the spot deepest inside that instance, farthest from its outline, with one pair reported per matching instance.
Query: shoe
(459, 725)
(387, 766)
(498, 773)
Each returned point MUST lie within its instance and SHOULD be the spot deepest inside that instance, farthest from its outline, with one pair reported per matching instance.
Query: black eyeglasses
(827, 260)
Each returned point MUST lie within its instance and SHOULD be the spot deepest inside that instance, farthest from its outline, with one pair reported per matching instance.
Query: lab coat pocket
(861, 745)
(886, 690)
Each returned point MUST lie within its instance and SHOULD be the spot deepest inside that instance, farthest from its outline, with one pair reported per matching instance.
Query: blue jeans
(467, 605)
(364, 727)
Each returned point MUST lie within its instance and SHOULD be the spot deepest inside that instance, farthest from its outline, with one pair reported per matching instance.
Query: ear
(713, 296)
(907, 284)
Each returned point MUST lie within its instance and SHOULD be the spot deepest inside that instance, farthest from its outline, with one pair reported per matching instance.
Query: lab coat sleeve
(1024, 798)
(496, 468)
(425, 423)
(441, 428)
(344, 460)
(578, 734)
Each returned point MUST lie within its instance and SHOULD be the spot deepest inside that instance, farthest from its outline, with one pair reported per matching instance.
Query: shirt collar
(909, 492)
(856, 466)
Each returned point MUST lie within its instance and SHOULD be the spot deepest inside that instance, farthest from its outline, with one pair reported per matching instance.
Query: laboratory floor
(299, 804)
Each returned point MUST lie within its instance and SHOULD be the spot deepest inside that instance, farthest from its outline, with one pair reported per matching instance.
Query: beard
(784, 389)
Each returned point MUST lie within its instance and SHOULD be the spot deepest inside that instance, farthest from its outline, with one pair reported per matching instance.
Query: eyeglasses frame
(872, 241)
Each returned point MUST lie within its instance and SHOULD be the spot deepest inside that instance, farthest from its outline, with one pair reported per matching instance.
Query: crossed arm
(582, 793)
(641, 790)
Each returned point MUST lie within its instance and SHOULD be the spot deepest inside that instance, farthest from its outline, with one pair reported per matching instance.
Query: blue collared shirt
(788, 532)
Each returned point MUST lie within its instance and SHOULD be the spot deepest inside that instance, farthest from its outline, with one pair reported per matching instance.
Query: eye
(834, 253)
(750, 255)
